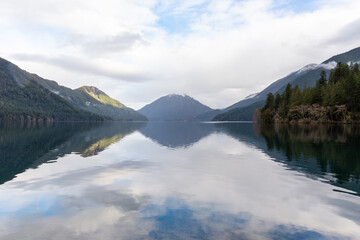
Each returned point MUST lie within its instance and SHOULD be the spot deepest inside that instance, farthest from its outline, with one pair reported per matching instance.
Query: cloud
(218, 51)
(81, 66)
(114, 44)
(348, 33)
(110, 198)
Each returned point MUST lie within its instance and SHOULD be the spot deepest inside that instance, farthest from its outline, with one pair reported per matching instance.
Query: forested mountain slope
(87, 98)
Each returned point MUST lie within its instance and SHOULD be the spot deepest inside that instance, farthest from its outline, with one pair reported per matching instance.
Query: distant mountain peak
(174, 107)
(177, 95)
(101, 96)
(92, 89)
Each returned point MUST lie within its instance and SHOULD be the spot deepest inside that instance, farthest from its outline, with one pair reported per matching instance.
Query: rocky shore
(311, 114)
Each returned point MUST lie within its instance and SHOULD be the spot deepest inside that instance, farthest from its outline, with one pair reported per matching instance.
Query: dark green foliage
(87, 98)
(342, 88)
(270, 102)
(29, 144)
(277, 101)
(340, 73)
(332, 146)
(305, 77)
(22, 145)
(322, 80)
(285, 101)
(268, 116)
(36, 103)
(268, 110)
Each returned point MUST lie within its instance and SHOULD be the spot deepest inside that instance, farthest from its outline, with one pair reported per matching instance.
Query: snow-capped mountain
(308, 75)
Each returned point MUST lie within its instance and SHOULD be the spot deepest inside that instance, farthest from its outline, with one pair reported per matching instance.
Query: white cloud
(225, 50)
(99, 67)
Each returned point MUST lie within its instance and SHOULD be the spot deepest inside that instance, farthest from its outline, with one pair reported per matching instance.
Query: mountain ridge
(100, 96)
(174, 107)
(351, 55)
(33, 102)
(87, 98)
(305, 76)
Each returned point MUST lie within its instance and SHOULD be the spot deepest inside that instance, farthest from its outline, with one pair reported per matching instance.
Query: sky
(216, 51)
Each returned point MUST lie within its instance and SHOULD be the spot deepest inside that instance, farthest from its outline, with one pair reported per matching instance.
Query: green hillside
(87, 98)
(33, 102)
(94, 100)
(101, 96)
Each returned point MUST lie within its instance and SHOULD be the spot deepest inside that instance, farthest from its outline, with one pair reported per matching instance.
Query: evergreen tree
(343, 88)
(277, 101)
(296, 97)
(322, 80)
(269, 102)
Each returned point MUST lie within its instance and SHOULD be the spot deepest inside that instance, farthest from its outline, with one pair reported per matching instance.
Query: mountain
(176, 134)
(239, 114)
(350, 56)
(207, 116)
(87, 98)
(307, 75)
(25, 146)
(94, 100)
(29, 100)
(174, 108)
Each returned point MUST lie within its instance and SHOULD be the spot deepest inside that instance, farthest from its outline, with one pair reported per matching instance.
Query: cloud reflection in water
(218, 188)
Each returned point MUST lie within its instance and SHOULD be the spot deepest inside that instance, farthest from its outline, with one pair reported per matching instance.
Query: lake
(178, 180)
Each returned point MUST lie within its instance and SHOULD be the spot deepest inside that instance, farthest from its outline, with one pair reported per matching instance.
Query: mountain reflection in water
(177, 134)
(28, 146)
(328, 151)
(179, 181)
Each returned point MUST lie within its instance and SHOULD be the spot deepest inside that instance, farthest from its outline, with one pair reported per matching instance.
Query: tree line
(33, 102)
(332, 147)
(342, 87)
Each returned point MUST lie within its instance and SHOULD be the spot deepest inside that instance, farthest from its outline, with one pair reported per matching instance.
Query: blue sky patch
(295, 6)
(176, 20)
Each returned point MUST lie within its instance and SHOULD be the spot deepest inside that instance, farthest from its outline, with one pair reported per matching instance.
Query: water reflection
(177, 134)
(24, 146)
(231, 184)
(328, 151)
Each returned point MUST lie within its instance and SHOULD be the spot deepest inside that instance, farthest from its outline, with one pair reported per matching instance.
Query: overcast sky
(217, 51)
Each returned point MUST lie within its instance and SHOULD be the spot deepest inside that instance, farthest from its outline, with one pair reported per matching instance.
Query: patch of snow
(328, 66)
(87, 103)
(307, 68)
(254, 95)
(56, 92)
(176, 95)
(350, 62)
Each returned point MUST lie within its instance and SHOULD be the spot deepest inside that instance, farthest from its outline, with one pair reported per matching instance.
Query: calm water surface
(179, 181)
